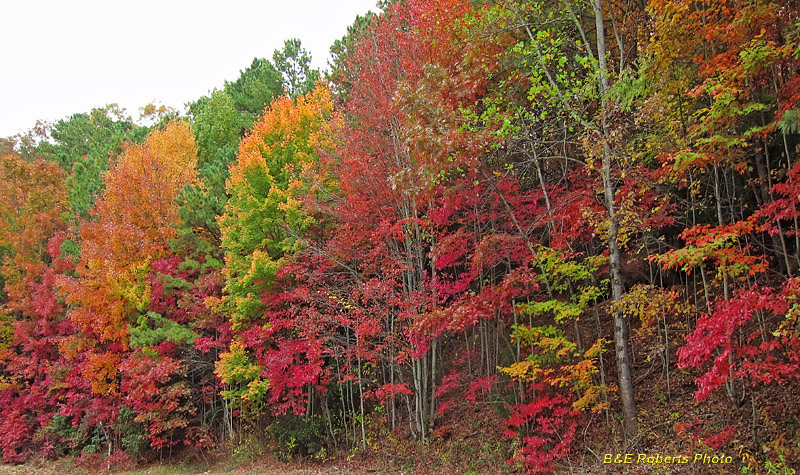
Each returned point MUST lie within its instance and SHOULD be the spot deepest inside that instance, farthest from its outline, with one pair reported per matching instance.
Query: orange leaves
(32, 196)
(555, 362)
(285, 122)
(143, 185)
(32, 199)
(720, 245)
(281, 145)
(132, 226)
(101, 371)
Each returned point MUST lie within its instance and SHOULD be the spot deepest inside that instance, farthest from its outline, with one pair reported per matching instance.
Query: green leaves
(152, 329)
(572, 285)
(293, 62)
(246, 388)
(255, 88)
(264, 218)
(84, 145)
(632, 86)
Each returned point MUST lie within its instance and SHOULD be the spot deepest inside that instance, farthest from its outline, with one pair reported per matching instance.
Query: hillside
(524, 237)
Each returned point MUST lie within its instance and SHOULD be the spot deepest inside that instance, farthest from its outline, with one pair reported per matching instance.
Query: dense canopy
(567, 228)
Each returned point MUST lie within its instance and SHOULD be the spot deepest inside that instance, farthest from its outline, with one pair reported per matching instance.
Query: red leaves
(714, 340)
(152, 389)
(17, 431)
(450, 250)
(364, 244)
(718, 245)
(390, 391)
(291, 369)
(480, 387)
(553, 421)
(785, 205)
(706, 437)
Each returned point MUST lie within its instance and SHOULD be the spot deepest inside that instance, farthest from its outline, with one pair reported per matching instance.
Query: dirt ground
(266, 467)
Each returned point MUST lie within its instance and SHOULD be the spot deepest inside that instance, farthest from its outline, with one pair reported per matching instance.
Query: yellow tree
(263, 215)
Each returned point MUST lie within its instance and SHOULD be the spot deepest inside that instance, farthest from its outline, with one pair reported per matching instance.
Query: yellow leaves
(155, 113)
(8, 383)
(650, 304)
(265, 214)
(130, 285)
(517, 371)
(213, 303)
(342, 302)
(227, 368)
(300, 125)
(552, 365)
(243, 377)
(256, 390)
(591, 400)
(6, 331)
(595, 350)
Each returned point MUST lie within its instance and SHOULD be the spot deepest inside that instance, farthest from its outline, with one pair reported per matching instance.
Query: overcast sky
(61, 57)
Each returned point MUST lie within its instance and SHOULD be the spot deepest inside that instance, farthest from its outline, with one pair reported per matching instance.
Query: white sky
(61, 57)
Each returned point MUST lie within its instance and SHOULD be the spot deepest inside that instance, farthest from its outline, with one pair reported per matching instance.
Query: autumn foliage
(132, 227)
(498, 235)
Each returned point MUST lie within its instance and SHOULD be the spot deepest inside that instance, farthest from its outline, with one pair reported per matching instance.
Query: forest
(493, 236)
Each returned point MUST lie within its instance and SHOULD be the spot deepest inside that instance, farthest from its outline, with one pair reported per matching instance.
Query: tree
(621, 327)
(262, 220)
(294, 64)
(217, 126)
(255, 88)
(342, 49)
(32, 200)
(133, 222)
(84, 145)
(264, 224)
(572, 75)
(406, 164)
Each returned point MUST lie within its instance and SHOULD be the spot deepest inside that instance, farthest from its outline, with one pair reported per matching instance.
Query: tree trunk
(621, 331)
